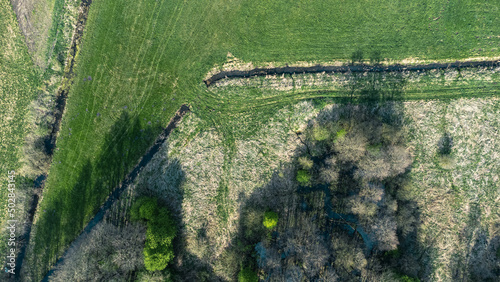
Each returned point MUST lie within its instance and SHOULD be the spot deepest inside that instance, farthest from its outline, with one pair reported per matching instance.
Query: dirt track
(345, 69)
(35, 36)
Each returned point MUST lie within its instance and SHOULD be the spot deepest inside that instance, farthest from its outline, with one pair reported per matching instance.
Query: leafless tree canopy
(109, 253)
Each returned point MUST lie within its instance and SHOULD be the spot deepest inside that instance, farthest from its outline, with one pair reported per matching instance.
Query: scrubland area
(394, 191)
(456, 192)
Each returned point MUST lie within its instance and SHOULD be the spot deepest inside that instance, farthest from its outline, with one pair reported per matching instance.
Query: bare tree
(109, 253)
(384, 229)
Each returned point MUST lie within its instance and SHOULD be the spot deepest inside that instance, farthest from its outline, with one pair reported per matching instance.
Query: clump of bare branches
(38, 143)
(355, 152)
(109, 253)
(300, 252)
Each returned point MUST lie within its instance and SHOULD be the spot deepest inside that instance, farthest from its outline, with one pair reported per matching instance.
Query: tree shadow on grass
(413, 258)
(122, 148)
(253, 245)
(162, 179)
(375, 87)
(164, 182)
(479, 262)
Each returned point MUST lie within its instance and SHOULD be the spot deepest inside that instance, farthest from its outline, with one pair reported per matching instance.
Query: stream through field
(62, 95)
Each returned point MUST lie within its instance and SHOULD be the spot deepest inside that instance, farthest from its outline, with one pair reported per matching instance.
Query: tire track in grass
(129, 179)
(142, 98)
(109, 146)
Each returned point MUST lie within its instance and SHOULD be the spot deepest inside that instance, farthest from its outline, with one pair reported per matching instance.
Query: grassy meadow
(18, 85)
(140, 60)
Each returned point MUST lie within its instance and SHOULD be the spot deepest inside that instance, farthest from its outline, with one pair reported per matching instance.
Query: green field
(18, 85)
(145, 58)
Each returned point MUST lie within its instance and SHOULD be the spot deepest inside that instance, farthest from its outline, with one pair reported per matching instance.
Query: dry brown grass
(449, 223)
(444, 197)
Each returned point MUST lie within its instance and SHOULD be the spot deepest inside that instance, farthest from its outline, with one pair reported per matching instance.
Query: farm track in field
(61, 97)
(342, 96)
(129, 179)
(345, 69)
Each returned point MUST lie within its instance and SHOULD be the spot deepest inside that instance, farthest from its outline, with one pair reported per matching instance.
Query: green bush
(393, 253)
(406, 278)
(303, 176)
(270, 219)
(135, 209)
(305, 162)
(340, 134)
(357, 57)
(157, 258)
(446, 162)
(374, 149)
(320, 133)
(158, 251)
(148, 208)
(247, 275)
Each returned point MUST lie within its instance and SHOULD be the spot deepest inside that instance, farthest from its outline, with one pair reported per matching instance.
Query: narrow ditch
(345, 69)
(62, 95)
(129, 179)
